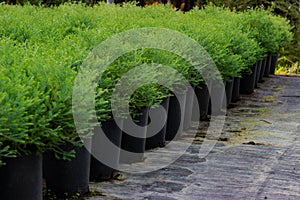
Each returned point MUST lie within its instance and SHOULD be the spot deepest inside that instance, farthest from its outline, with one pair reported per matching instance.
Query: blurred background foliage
(289, 60)
(289, 57)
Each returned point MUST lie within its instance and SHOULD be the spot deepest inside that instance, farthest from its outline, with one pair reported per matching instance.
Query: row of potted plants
(42, 50)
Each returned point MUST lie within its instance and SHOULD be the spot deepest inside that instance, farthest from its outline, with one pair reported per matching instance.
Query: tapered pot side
(188, 109)
(229, 90)
(236, 90)
(135, 144)
(262, 71)
(66, 178)
(247, 82)
(268, 65)
(159, 139)
(202, 98)
(175, 116)
(21, 178)
(259, 66)
(99, 171)
(274, 59)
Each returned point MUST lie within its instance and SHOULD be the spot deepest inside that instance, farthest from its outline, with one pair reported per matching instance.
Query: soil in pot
(98, 170)
(159, 139)
(21, 178)
(67, 178)
(135, 144)
(175, 117)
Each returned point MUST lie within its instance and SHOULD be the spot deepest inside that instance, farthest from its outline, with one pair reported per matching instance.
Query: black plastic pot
(268, 66)
(202, 95)
(259, 66)
(247, 82)
(229, 90)
(21, 178)
(98, 170)
(175, 117)
(220, 102)
(135, 144)
(159, 139)
(67, 178)
(274, 59)
(188, 109)
(236, 90)
(262, 71)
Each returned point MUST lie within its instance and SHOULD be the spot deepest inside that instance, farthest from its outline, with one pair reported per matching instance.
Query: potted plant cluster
(41, 56)
(271, 33)
(21, 141)
(36, 119)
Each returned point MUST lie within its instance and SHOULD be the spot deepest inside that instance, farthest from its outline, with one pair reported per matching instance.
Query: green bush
(271, 32)
(221, 25)
(23, 114)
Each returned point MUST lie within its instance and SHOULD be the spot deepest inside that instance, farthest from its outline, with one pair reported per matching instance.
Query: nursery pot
(217, 107)
(98, 170)
(268, 66)
(274, 59)
(175, 116)
(259, 66)
(202, 97)
(236, 90)
(67, 178)
(229, 90)
(159, 139)
(262, 71)
(247, 82)
(135, 144)
(21, 178)
(188, 109)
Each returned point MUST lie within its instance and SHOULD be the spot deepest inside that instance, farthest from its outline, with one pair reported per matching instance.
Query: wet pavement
(256, 157)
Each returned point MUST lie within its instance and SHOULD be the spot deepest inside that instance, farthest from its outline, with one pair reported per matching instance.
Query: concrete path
(257, 157)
